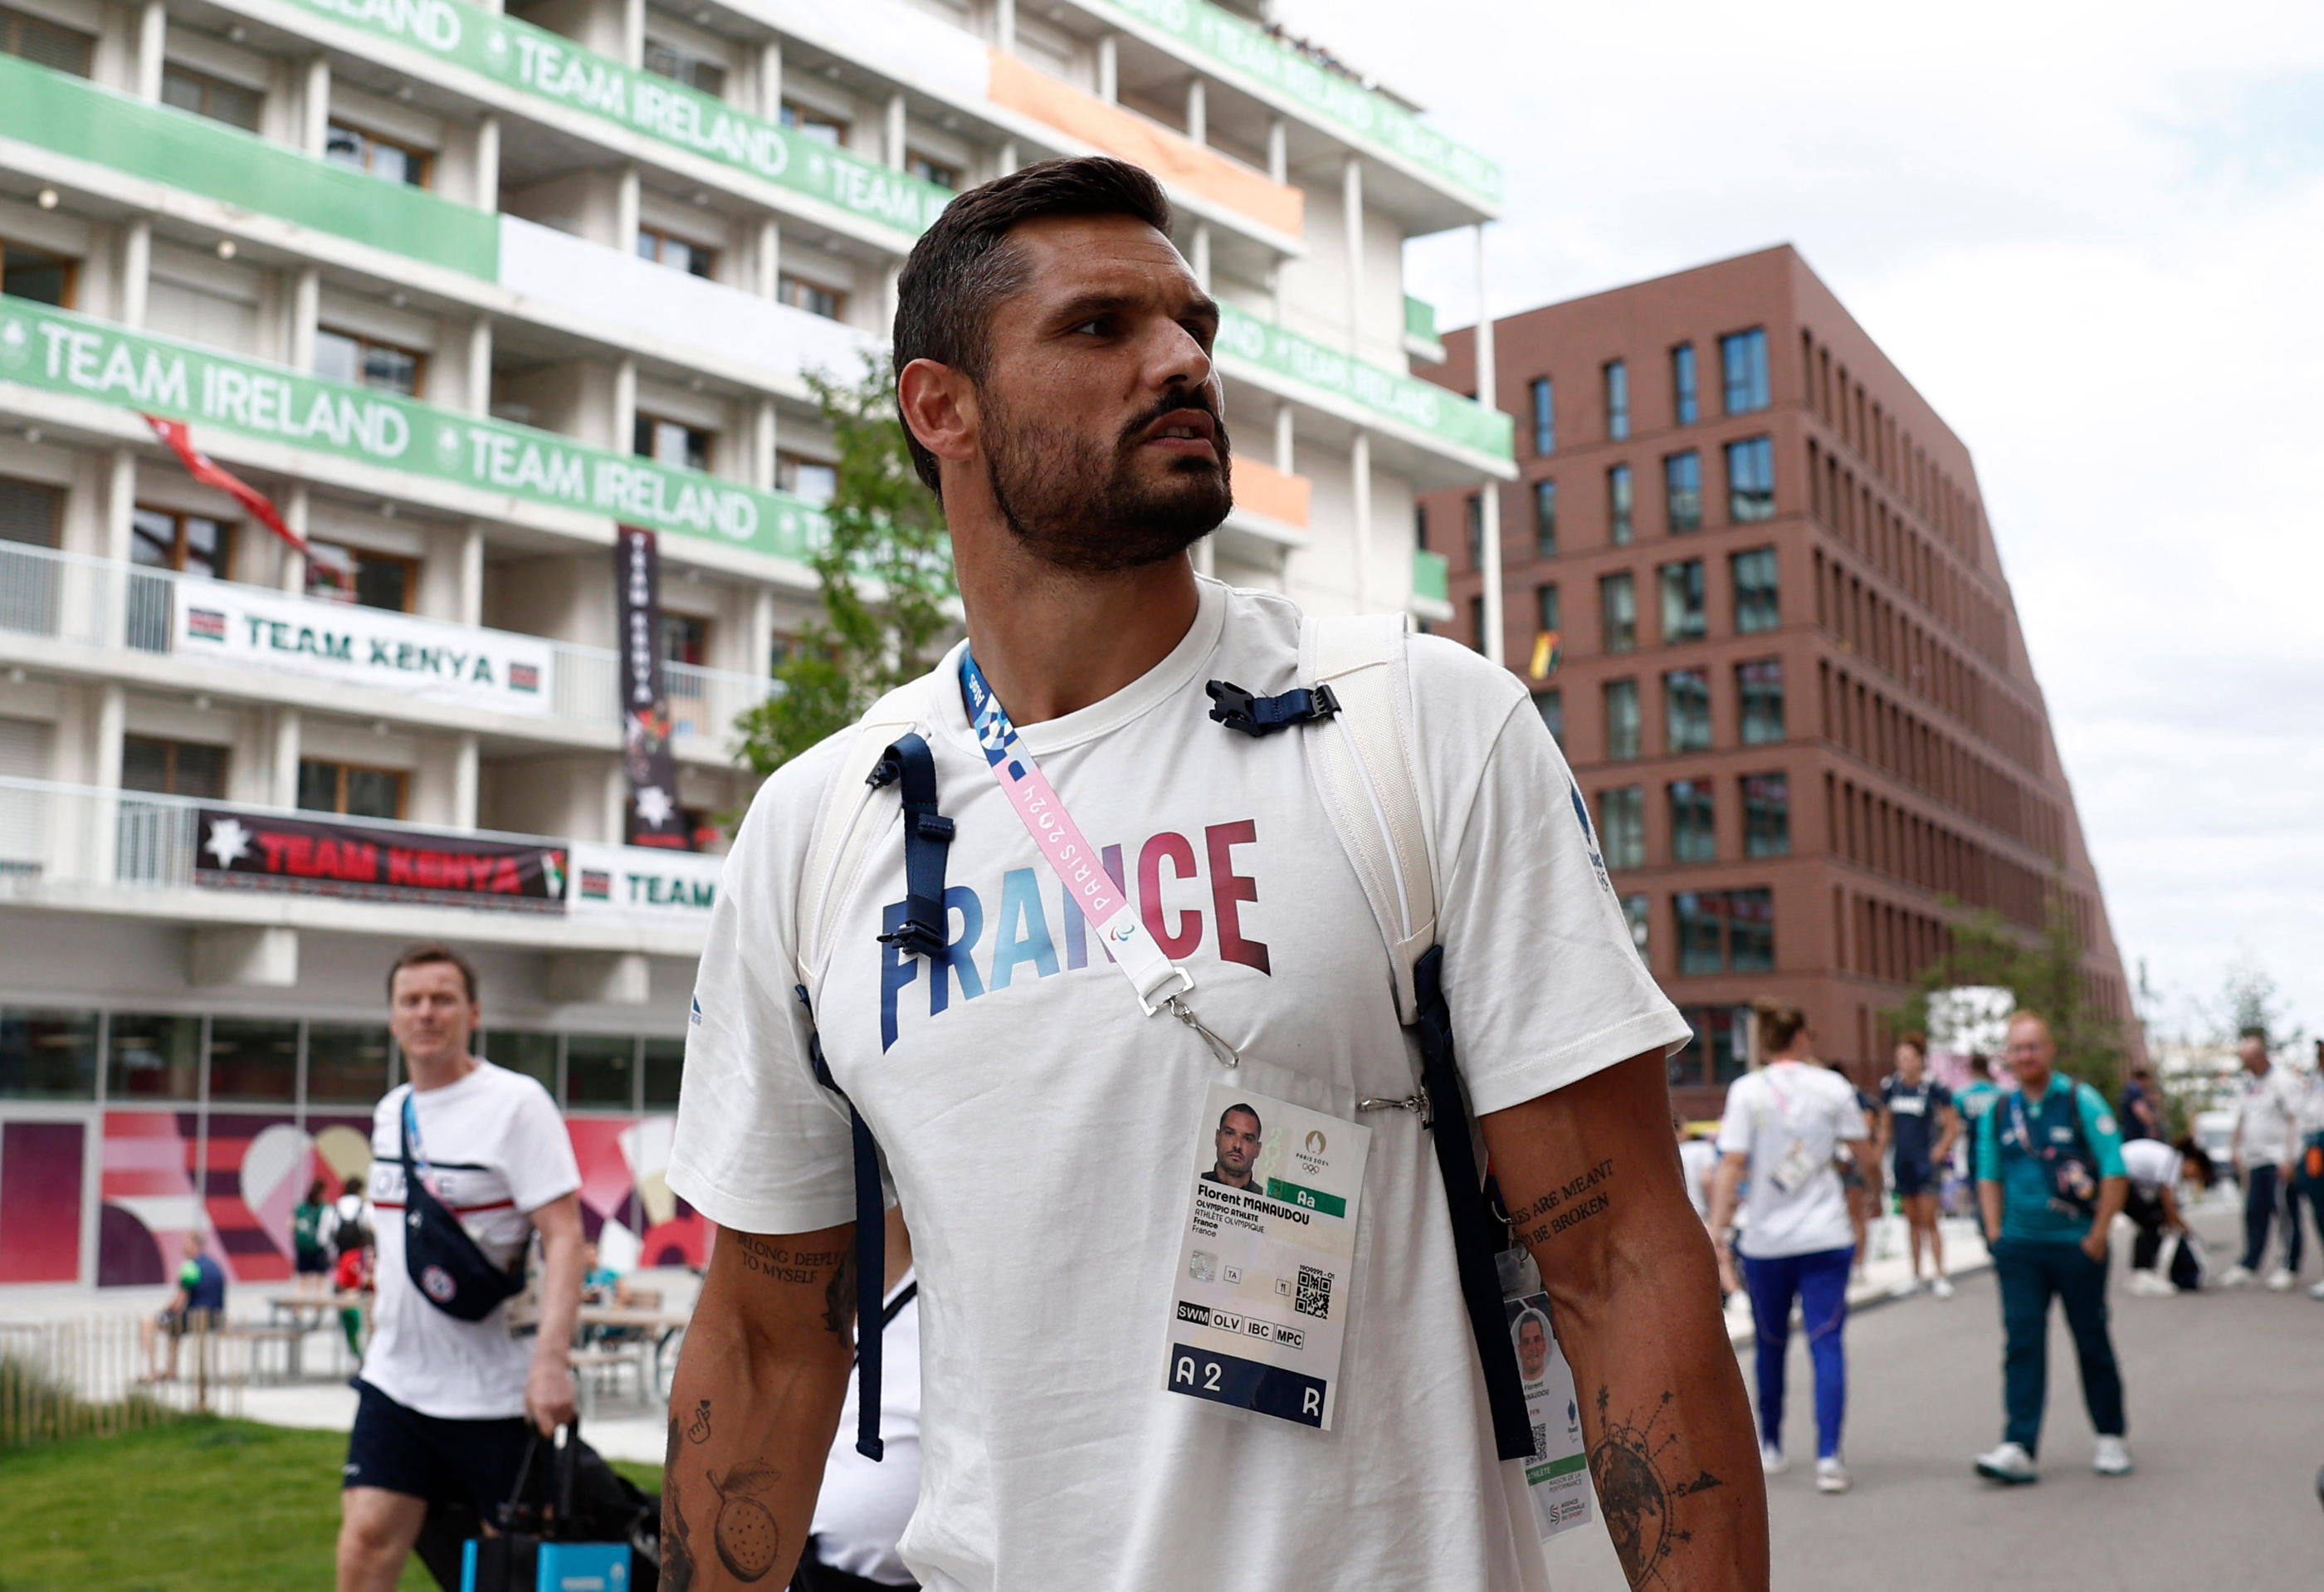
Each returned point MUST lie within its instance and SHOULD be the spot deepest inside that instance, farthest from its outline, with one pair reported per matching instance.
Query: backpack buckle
(1238, 709)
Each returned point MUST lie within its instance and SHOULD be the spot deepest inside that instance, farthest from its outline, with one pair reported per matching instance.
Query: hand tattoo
(697, 1431)
(677, 1548)
(1635, 1492)
(747, 1538)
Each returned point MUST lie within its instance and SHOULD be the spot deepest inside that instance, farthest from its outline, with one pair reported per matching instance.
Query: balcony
(92, 617)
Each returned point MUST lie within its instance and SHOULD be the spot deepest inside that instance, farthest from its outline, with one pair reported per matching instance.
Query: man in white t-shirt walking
(1049, 1137)
(2265, 1147)
(1783, 1124)
(446, 1405)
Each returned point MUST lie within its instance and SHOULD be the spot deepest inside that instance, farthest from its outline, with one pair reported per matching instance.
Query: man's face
(1533, 1349)
(1909, 1063)
(429, 1013)
(1238, 1144)
(2031, 1051)
(2253, 1054)
(1100, 415)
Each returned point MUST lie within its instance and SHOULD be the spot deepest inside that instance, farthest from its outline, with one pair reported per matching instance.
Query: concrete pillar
(625, 210)
(892, 146)
(1201, 260)
(315, 106)
(1004, 26)
(306, 310)
(616, 803)
(1278, 148)
(633, 33)
(1284, 422)
(285, 793)
(764, 424)
(1109, 67)
(1005, 162)
(469, 604)
(1351, 201)
(264, 958)
(758, 634)
(297, 503)
(770, 81)
(1488, 394)
(600, 978)
(888, 291)
(120, 502)
(136, 268)
(465, 763)
(153, 35)
(111, 702)
(476, 379)
(767, 257)
(1198, 110)
(1359, 483)
(624, 417)
(488, 161)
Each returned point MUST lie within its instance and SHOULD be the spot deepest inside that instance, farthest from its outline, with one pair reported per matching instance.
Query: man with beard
(1236, 1147)
(1056, 380)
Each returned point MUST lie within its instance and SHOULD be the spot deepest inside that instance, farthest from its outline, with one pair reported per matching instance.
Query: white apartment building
(459, 289)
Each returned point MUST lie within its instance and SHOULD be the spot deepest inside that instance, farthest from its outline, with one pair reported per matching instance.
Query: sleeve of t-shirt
(1735, 1122)
(760, 1146)
(1988, 1145)
(2103, 1132)
(1939, 1096)
(1543, 981)
(1849, 1119)
(537, 1154)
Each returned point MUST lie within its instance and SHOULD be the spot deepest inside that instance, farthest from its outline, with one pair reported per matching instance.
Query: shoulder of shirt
(1445, 672)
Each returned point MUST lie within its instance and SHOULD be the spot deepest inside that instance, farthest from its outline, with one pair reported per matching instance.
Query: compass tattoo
(1627, 1464)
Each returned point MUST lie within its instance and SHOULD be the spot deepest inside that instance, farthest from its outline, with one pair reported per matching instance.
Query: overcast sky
(2093, 236)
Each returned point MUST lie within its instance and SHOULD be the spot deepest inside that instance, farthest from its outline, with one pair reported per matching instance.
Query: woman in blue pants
(1785, 1123)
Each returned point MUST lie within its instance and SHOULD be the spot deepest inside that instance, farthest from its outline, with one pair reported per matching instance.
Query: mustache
(1192, 397)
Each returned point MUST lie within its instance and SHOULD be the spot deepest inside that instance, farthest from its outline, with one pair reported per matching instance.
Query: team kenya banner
(260, 850)
(490, 670)
(57, 351)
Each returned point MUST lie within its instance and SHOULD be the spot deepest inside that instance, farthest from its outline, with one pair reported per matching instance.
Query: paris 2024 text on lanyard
(1266, 1259)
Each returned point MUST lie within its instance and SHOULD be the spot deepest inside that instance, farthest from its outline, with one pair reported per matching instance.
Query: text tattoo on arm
(765, 1259)
(1568, 1205)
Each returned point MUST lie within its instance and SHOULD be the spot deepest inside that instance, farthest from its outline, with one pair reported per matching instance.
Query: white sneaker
(2280, 1281)
(2236, 1277)
(1942, 1288)
(2010, 1462)
(2152, 1285)
(2317, 1291)
(1772, 1460)
(1905, 1289)
(1832, 1476)
(2113, 1457)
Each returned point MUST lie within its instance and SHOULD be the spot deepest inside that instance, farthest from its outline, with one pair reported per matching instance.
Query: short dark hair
(1246, 1110)
(419, 953)
(2253, 1030)
(1780, 1022)
(1981, 1063)
(1916, 1039)
(2197, 1159)
(963, 266)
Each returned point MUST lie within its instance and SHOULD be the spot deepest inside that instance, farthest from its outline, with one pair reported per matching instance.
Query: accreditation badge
(1267, 1262)
(1558, 1474)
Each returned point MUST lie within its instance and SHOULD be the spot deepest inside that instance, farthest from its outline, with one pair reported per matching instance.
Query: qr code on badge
(1541, 1442)
(1314, 1298)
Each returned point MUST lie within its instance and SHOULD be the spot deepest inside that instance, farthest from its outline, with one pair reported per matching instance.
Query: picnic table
(291, 1315)
(609, 1335)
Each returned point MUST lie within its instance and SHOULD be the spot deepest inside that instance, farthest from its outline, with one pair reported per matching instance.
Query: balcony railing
(98, 604)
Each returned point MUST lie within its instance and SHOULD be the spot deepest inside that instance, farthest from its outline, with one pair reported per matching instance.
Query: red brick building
(1791, 679)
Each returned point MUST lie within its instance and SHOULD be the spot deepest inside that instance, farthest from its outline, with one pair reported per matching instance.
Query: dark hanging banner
(251, 849)
(655, 818)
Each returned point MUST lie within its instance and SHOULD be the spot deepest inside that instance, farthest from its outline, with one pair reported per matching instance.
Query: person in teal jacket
(2049, 1182)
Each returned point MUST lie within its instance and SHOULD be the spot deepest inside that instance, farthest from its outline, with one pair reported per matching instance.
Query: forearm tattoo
(1639, 1489)
(677, 1546)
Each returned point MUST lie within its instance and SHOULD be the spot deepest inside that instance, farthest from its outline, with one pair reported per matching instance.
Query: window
(1544, 519)
(1634, 912)
(368, 579)
(1686, 711)
(1750, 480)
(383, 157)
(1617, 612)
(812, 297)
(345, 788)
(36, 274)
(1622, 825)
(1766, 815)
(1616, 373)
(1551, 706)
(658, 247)
(599, 1068)
(30, 513)
(667, 61)
(1685, 409)
(685, 639)
(1477, 623)
(1619, 505)
(1685, 616)
(532, 1055)
(1472, 510)
(1759, 694)
(346, 1063)
(47, 1054)
(1544, 605)
(1758, 604)
(351, 357)
(1751, 931)
(665, 1060)
(929, 169)
(1722, 1037)
(206, 95)
(1545, 414)
(1743, 362)
(1683, 491)
(806, 479)
(1420, 526)
(152, 1058)
(253, 1059)
(160, 539)
(1702, 932)
(44, 44)
(1694, 821)
(1622, 720)
(821, 126)
(172, 767)
(674, 443)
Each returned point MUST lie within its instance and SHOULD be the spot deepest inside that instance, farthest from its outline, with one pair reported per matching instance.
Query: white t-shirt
(1791, 1119)
(1698, 1159)
(2151, 1164)
(496, 1148)
(865, 1503)
(2271, 1109)
(1040, 1129)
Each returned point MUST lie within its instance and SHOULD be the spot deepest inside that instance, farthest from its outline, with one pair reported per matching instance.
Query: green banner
(555, 67)
(1422, 405)
(1246, 51)
(1291, 1194)
(74, 116)
(59, 352)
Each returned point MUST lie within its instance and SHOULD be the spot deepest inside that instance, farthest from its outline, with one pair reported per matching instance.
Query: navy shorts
(471, 1462)
(311, 1262)
(1916, 1177)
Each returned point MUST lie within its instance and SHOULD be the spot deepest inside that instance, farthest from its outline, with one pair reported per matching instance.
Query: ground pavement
(2225, 1393)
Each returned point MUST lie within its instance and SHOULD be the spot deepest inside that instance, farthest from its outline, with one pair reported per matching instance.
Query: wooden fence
(88, 1378)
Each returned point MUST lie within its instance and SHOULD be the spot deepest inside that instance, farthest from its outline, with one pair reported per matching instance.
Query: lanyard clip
(1178, 1008)
(1416, 1103)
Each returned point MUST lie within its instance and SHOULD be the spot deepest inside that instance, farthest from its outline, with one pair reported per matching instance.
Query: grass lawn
(201, 1506)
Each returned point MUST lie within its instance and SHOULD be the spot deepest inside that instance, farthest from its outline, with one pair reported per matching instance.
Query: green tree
(2044, 969)
(886, 578)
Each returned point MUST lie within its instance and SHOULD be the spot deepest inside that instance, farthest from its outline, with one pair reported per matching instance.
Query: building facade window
(1551, 706)
(820, 126)
(346, 1063)
(942, 174)
(44, 44)
(350, 788)
(153, 1057)
(364, 361)
(1686, 711)
(1616, 373)
(662, 249)
(1693, 822)
(1472, 518)
(1750, 480)
(1620, 522)
(1725, 930)
(48, 1054)
(358, 575)
(1685, 406)
(1766, 815)
(1544, 519)
(674, 443)
(37, 274)
(667, 61)
(1622, 825)
(1622, 720)
(601, 1071)
(1477, 623)
(1634, 912)
(213, 97)
(1743, 365)
(1721, 1044)
(1545, 607)
(812, 297)
(1751, 931)
(172, 767)
(1545, 414)
(1617, 612)
(254, 1060)
(1759, 700)
(810, 481)
(1685, 615)
(30, 513)
(383, 158)
(1683, 491)
(1758, 598)
(1701, 932)
(192, 544)
(685, 639)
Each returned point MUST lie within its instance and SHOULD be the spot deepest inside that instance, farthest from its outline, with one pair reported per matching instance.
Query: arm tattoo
(765, 1258)
(745, 1535)
(677, 1548)
(839, 1296)
(1568, 1205)
(697, 1431)
(1627, 1466)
